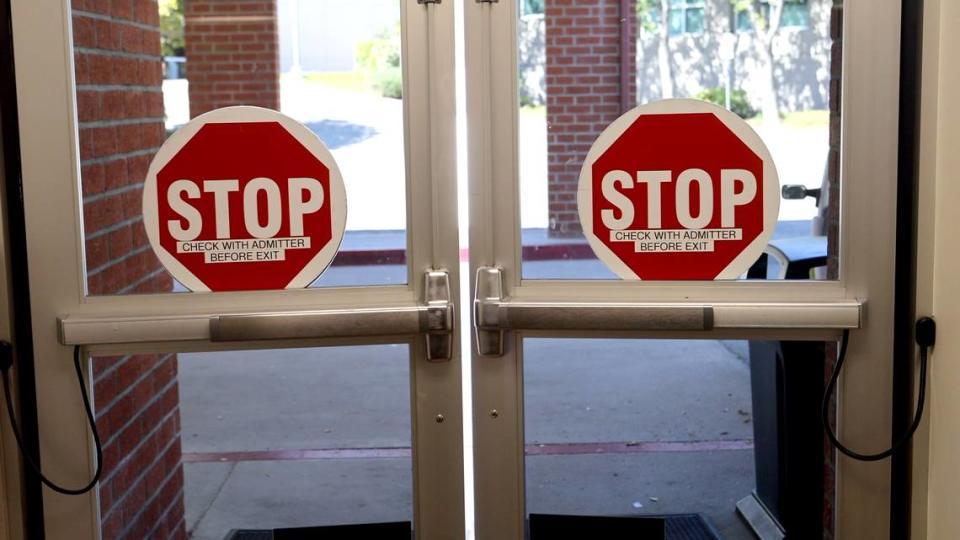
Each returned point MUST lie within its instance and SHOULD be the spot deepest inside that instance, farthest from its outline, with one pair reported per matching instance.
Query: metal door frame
(50, 159)
(870, 92)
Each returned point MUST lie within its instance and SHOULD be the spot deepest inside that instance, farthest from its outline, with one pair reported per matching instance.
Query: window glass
(694, 19)
(744, 24)
(717, 435)
(200, 445)
(684, 16)
(531, 7)
(796, 14)
(143, 69)
(677, 22)
(781, 85)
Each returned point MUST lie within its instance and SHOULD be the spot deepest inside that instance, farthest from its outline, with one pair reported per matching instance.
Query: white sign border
(771, 182)
(242, 114)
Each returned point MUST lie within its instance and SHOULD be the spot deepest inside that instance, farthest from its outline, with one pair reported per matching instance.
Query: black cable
(93, 425)
(926, 335)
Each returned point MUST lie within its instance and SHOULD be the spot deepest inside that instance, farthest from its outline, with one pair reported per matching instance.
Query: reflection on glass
(198, 445)
(768, 63)
(693, 431)
(143, 70)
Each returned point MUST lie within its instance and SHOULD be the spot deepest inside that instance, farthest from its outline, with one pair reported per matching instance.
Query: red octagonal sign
(679, 190)
(244, 198)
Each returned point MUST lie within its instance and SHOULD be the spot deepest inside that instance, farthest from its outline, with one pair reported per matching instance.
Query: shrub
(379, 58)
(389, 82)
(739, 104)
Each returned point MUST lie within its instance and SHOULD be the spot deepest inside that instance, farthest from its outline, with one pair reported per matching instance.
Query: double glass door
(466, 366)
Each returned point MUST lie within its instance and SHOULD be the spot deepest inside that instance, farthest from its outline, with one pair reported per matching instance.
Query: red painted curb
(387, 257)
(552, 449)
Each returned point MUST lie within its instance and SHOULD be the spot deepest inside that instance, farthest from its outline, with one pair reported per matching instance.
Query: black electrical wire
(93, 426)
(925, 343)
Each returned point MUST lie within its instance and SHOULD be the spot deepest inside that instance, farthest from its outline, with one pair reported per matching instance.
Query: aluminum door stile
(50, 157)
(490, 45)
(429, 89)
(869, 104)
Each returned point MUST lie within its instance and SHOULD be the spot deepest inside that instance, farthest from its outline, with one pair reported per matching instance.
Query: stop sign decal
(244, 198)
(679, 190)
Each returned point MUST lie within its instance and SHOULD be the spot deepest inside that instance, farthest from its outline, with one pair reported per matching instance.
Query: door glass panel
(145, 68)
(197, 445)
(686, 430)
(573, 84)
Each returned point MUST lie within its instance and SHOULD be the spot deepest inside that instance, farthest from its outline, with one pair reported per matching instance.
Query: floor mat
(377, 531)
(665, 527)
(541, 527)
(690, 527)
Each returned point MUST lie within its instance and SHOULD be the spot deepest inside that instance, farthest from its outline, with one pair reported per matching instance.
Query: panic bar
(434, 319)
(494, 314)
(340, 323)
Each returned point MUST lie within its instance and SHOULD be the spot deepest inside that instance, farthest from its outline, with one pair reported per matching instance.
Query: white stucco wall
(943, 454)
(329, 30)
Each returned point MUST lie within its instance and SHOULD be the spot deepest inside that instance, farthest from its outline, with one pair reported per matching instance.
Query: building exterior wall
(585, 92)
(232, 54)
(120, 114)
(802, 57)
(831, 224)
(327, 31)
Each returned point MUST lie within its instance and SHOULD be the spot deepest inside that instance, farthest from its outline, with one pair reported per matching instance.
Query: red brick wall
(832, 225)
(120, 114)
(832, 217)
(584, 91)
(138, 414)
(232, 54)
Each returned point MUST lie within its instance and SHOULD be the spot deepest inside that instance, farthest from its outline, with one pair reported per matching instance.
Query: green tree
(379, 59)
(766, 17)
(653, 16)
(171, 28)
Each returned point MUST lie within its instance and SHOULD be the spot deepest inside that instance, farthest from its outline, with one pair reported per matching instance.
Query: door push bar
(494, 314)
(434, 319)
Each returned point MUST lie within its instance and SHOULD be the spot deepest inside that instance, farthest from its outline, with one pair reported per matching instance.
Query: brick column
(585, 91)
(832, 230)
(120, 114)
(232, 54)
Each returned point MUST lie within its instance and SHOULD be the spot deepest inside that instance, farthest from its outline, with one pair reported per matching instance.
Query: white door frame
(50, 157)
(870, 85)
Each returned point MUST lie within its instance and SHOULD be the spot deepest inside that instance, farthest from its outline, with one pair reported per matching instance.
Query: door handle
(494, 314)
(432, 318)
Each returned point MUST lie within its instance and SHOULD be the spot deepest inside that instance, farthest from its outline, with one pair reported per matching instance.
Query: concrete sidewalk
(577, 391)
(245, 413)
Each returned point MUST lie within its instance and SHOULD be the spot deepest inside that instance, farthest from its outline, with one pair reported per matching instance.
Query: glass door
(693, 404)
(223, 415)
(229, 413)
